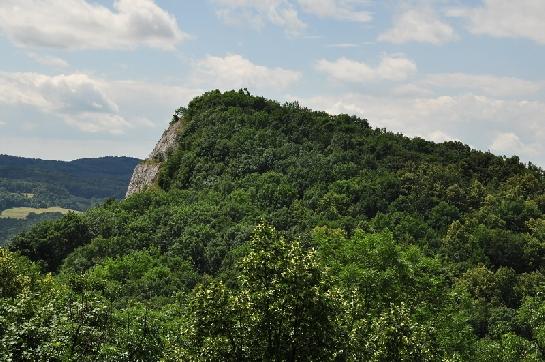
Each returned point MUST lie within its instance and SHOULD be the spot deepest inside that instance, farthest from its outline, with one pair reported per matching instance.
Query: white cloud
(347, 70)
(98, 122)
(509, 143)
(48, 60)
(284, 13)
(235, 71)
(418, 25)
(489, 85)
(77, 98)
(95, 105)
(103, 117)
(79, 24)
(343, 45)
(506, 19)
(411, 90)
(337, 9)
(281, 13)
(144, 111)
(55, 93)
(439, 136)
(150, 99)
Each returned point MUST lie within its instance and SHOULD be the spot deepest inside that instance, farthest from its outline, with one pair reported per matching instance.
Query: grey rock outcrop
(167, 140)
(145, 173)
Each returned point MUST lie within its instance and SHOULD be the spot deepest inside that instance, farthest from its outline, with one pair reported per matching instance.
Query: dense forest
(278, 233)
(75, 185)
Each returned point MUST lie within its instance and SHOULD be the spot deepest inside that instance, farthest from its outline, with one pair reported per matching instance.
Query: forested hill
(88, 178)
(30, 188)
(278, 233)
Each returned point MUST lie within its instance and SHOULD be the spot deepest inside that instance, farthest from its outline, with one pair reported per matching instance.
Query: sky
(89, 78)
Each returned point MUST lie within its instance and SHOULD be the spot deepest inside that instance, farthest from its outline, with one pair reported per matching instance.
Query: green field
(23, 212)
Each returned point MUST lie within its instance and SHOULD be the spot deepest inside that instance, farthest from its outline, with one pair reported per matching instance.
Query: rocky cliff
(145, 173)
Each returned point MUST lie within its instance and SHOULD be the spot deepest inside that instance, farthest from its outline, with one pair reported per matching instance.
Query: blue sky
(86, 78)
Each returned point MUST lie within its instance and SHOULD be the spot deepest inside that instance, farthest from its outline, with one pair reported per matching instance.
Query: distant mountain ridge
(110, 169)
(75, 185)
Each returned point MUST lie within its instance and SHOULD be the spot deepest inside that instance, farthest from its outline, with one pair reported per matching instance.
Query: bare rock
(167, 140)
(145, 173)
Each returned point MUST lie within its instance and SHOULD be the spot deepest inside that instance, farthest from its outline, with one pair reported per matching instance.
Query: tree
(281, 308)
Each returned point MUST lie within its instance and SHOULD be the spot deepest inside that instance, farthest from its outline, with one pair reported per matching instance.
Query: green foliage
(75, 185)
(88, 178)
(395, 336)
(142, 275)
(51, 241)
(280, 309)
(11, 227)
(380, 248)
(17, 274)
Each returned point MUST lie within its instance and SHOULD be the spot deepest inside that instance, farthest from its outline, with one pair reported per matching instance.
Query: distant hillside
(74, 185)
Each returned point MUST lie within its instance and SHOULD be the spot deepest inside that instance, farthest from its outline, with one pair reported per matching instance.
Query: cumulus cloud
(98, 122)
(285, 14)
(506, 19)
(92, 104)
(439, 136)
(77, 98)
(343, 45)
(411, 90)
(350, 10)
(63, 92)
(418, 25)
(508, 143)
(48, 60)
(482, 84)
(281, 13)
(154, 100)
(348, 70)
(235, 71)
(102, 117)
(79, 24)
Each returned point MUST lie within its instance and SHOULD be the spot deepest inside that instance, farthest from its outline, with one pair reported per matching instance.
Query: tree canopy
(279, 233)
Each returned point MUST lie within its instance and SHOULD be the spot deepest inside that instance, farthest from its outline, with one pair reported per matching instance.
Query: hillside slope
(74, 185)
(279, 233)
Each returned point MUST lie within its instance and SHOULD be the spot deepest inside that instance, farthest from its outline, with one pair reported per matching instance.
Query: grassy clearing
(23, 212)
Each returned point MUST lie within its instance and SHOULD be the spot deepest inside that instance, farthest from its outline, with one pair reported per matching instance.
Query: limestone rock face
(167, 140)
(145, 173)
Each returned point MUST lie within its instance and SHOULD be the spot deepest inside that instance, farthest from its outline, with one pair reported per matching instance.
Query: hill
(273, 232)
(38, 184)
